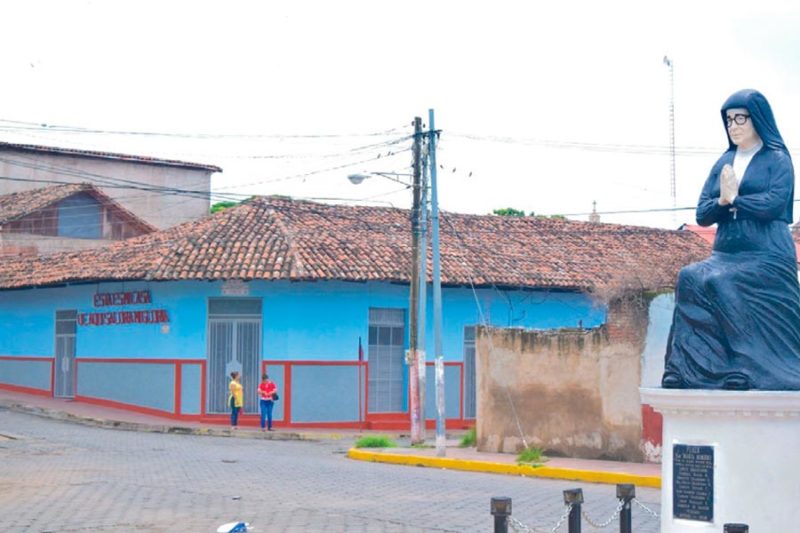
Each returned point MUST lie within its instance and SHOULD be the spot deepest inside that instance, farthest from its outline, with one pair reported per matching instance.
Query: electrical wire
(33, 126)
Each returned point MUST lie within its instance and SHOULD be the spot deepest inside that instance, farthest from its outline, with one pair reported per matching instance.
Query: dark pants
(234, 413)
(266, 413)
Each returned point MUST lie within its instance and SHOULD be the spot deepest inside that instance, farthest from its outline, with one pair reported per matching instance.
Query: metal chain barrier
(608, 522)
(646, 508)
(516, 525)
(567, 510)
(573, 513)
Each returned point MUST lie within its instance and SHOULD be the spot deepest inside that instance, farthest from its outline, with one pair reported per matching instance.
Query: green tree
(219, 206)
(509, 212)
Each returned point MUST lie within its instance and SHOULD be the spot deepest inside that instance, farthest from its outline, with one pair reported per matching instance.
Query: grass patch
(531, 456)
(375, 441)
(469, 439)
(422, 445)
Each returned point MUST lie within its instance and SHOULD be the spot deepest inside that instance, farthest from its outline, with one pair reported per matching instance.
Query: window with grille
(386, 360)
(470, 403)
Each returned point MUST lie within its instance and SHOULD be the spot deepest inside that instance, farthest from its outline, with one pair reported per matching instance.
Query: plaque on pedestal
(726, 454)
(693, 482)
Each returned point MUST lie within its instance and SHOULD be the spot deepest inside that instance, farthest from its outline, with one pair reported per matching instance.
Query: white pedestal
(755, 438)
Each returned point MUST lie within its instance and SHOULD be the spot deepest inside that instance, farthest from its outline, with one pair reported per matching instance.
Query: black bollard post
(574, 497)
(625, 492)
(501, 510)
(736, 528)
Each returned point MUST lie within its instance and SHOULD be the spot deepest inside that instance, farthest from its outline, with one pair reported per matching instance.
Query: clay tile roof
(274, 238)
(19, 204)
(108, 155)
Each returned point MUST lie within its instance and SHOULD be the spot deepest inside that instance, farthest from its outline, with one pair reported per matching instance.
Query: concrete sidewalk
(456, 458)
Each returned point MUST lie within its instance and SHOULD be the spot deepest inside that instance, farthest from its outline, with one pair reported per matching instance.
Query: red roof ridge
(296, 267)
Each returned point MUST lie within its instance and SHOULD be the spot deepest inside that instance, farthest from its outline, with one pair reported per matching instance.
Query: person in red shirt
(267, 391)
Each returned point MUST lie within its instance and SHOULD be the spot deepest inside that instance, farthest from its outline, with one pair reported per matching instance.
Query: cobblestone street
(56, 476)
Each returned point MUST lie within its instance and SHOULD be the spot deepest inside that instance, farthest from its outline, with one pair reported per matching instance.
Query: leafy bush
(532, 456)
(470, 438)
(375, 441)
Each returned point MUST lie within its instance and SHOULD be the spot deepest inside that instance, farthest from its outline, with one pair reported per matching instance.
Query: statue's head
(741, 131)
(759, 124)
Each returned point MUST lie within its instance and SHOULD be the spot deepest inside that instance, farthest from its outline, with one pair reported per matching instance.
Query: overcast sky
(544, 107)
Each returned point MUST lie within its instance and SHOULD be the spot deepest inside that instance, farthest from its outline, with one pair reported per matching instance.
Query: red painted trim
(399, 421)
(178, 384)
(287, 389)
(126, 407)
(51, 360)
(136, 360)
(362, 395)
(74, 379)
(391, 421)
(285, 396)
(326, 425)
(366, 389)
(26, 358)
(203, 387)
(463, 384)
(375, 417)
(245, 419)
(26, 390)
(451, 423)
(311, 362)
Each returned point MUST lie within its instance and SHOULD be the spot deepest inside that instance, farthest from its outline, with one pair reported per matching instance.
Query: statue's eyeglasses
(738, 118)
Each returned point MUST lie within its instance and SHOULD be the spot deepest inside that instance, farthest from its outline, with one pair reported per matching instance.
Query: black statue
(737, 314)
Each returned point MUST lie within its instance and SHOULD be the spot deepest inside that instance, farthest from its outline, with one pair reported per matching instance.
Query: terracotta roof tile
(272, 238)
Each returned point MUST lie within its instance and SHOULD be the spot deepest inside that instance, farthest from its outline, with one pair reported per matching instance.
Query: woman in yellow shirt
(236, 398)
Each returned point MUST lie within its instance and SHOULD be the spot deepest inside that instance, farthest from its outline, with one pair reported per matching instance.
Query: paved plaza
(57, 476)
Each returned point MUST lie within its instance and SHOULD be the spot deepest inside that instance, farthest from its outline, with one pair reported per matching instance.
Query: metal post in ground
(414, 407)
(501, 510)
(574, 498)
(626, 493)
(736, 528)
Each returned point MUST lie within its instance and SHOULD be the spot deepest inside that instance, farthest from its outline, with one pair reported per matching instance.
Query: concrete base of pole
(729, 457)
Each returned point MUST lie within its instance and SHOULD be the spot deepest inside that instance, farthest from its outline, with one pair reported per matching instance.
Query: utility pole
(437, 295)
(412, 357)
(672, 188)
(423, 295)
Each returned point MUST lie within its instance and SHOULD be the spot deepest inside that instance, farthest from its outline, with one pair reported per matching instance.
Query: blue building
(316, 295)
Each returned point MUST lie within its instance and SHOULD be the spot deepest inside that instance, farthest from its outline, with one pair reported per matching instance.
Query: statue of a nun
(737, 314)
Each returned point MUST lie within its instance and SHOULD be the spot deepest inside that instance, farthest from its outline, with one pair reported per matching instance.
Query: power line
(56, 128)
(632, 149)
(344, 152)
(632, 211)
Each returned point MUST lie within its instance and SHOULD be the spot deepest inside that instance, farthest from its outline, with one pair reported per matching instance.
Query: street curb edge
(590, 476)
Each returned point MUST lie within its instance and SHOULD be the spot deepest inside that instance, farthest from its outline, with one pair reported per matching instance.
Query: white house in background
(162, 192)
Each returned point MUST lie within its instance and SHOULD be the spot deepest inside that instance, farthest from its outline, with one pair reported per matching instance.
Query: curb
(591, 476)
(177, 430)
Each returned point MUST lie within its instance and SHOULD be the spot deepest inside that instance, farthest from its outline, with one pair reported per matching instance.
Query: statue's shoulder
(777, 159)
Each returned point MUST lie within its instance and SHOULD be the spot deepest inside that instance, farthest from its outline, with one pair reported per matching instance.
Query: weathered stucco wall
(574, 392)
